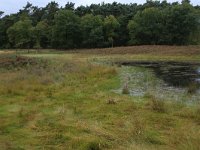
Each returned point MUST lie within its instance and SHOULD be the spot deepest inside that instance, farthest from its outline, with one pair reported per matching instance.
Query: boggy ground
(66, 102)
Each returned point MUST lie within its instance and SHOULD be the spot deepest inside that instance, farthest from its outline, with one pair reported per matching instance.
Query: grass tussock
(125, 89)
(155, 104)
(158, 105)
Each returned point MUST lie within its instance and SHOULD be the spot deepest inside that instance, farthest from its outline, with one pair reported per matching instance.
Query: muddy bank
(153, 63)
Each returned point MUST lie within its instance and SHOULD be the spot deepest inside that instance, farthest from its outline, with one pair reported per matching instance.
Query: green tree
(92, 31)
(50, 11)
(66, 31)
(147, 27)
(41, 33)
(1, 13)
(20, 34)
(102, 25)
(181, 21)
(110, 26)
(69, 6)
(186, 1)
(5, 23)
(122, 32)
(195, 34)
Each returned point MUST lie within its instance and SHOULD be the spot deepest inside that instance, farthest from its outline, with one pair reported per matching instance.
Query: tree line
(101, 25)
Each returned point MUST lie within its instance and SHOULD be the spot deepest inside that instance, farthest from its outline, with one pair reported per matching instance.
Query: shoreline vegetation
(65, 100)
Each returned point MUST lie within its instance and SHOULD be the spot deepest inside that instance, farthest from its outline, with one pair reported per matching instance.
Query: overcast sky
(12, 6)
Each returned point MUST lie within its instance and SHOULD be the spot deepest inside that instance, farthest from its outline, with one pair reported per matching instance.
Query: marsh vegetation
(69, 101)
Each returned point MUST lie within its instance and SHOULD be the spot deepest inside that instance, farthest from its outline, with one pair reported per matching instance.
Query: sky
(13, 6)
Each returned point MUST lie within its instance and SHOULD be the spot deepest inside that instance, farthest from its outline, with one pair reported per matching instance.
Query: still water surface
(167, 80)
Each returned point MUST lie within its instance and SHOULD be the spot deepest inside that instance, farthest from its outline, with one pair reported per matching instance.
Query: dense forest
(101, 25)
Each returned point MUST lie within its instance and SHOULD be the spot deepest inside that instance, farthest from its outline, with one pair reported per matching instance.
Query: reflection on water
(174, 79)
(173, 73)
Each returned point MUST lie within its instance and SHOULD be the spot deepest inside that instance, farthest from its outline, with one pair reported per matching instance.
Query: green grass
(65, 105)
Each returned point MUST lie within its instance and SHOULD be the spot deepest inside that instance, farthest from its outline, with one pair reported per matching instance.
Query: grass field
(65, 100)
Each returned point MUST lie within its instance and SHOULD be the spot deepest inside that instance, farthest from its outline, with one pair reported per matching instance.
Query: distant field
(66, 100)
(148, 52)
(153, 50)
(147, 49)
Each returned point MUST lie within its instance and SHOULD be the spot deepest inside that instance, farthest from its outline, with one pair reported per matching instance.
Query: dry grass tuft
(155, 104)
(125, 89)
(111, 101)
(158, 105)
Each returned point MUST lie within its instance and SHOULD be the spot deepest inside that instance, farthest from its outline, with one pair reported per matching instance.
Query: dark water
(175, 74)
